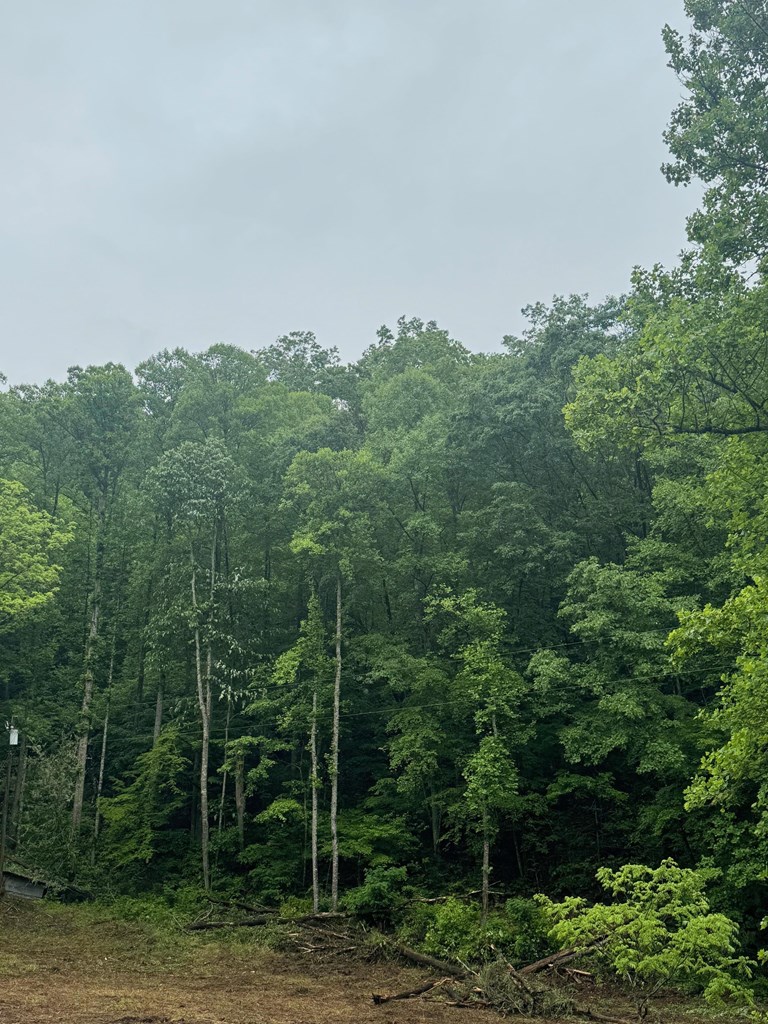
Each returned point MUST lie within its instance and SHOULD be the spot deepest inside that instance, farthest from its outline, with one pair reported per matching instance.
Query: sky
(185, 172)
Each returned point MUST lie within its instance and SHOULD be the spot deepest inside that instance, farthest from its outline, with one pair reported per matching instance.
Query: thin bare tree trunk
(314, 782)
(100, 785)
(335, 756)
(90, 646)
(103, 758)
(434, 819)
(158, 709)
(4, 816)
(204, 702)
(240, 797)
(486, 866)
(85, 712)
(18, 793)
(224, 779)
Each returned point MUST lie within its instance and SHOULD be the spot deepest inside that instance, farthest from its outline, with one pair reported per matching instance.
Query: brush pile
(547, 988)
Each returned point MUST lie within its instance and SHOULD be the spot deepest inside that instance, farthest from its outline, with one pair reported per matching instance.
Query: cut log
(207, 926)
(563, 956)
(591, 1014)
(247, 907)
(429, 961)
(262, 919)
(580, 977)
(456, 896)
(411, 993)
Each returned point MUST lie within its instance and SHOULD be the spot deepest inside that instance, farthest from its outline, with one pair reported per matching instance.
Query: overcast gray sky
(181, 172)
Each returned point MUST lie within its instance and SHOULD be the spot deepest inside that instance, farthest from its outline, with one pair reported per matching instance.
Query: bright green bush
(658, 931)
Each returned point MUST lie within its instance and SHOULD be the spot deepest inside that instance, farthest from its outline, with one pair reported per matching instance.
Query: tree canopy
(291, 627)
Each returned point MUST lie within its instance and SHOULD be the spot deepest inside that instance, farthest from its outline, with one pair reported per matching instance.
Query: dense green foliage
(527, 593)
(658, 930)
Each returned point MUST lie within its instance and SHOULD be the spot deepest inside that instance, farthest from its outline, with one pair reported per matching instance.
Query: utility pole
(13, 740)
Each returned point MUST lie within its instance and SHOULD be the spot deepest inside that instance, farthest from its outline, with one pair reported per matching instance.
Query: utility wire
(465, 701)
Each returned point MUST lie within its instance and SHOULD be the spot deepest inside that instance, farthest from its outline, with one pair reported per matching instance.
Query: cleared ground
(81, 966)
(84, 965)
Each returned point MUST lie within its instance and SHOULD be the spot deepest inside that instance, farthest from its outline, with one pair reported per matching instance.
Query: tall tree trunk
(104, 731)
(90, 651)
(103, 758)
(486, 865)
(142, 665)
(335, 756)
(224, 779)
(518, 855)
(100, 785)
(204, 703)
(240, 797)
(18, 793)
(435, 819)
(314, 782)
(194, 804)
(158, 709)
(4, 816)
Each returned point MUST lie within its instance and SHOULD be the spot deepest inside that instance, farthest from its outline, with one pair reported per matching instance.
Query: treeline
(475, 616)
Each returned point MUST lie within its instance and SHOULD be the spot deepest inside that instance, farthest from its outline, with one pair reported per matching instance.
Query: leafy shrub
(380, 897)
(531, 931)
(153, 911)
(454, 930)
(657, 931)
(187, 901)
(137, 815)
(296, 906)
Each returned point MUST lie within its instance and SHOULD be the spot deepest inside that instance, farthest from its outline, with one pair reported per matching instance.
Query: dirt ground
(86, 965)
(62, 965)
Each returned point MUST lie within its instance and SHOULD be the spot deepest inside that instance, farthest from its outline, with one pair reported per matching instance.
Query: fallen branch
(590, 1014)
(471, 1004)
(580, 977)
(247, 907)
(564, 956)
(429, 961)
(326, 931)
(455, 896)
(411, 993)
(262, 919)
(205, 926)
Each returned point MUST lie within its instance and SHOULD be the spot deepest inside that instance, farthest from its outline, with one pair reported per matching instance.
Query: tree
(494, 692)
(30, 540)
(717, 132)
(329, 490)
(729, 793)
(99, 410)
(306, 668)
(298, 361)
(136, 815)
(695, 366)
(195, 482)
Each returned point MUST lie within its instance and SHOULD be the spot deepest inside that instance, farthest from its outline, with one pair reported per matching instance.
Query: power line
(465, 701)
(590, 640)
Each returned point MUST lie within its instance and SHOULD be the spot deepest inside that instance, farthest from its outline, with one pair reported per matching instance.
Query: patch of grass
(12, 965)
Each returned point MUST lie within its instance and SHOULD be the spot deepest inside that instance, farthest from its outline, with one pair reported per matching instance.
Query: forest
(278, 627)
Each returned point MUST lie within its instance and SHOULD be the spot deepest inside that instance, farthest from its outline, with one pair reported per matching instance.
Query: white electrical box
(14, 740)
